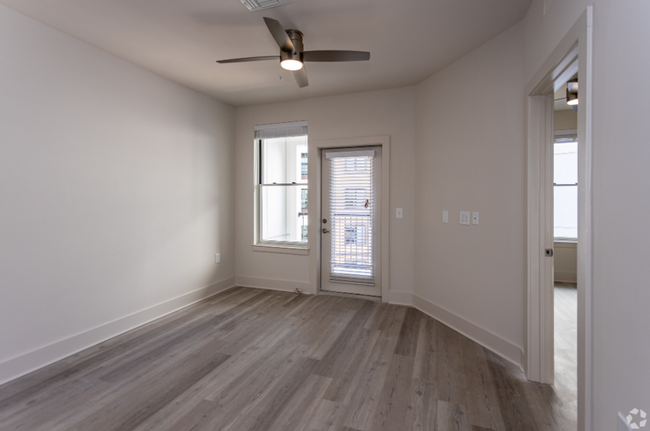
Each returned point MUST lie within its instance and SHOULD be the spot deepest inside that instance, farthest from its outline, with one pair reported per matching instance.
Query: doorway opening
(565, 245)
(574, 51)
(350, 215)
(358, 235)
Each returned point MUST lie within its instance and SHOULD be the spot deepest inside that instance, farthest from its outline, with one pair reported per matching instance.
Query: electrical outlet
(217, 258)
(464, 217)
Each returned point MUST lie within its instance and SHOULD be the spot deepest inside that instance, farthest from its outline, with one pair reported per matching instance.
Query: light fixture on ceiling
(292, 53)
(291, 64)
(572, 93)
(291, 59)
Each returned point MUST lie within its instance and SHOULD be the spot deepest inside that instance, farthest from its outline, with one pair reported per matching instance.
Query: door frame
(325, 281)
(315, 172)
(574, 52)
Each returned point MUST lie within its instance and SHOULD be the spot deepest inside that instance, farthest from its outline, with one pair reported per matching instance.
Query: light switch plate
(475, 217)
(217, 258)
(464, 217)
(445, 216)
(399, 213)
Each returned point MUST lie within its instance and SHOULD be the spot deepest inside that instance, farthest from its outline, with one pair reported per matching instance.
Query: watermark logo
(636, 419)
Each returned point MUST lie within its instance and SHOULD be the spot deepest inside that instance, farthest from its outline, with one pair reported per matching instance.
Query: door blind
(352, 209)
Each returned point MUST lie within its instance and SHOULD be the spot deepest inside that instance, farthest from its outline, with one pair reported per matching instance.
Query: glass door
(349, 219)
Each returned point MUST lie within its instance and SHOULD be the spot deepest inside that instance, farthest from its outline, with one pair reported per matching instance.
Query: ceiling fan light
(291, 64)
(572, 93)
(571, 98)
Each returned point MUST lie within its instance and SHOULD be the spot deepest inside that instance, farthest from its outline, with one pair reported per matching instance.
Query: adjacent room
(343, 215)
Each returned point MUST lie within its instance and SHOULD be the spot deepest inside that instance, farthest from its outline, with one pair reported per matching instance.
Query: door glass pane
(565, 201)
(284, 213)
(284, 160)
(352, 214)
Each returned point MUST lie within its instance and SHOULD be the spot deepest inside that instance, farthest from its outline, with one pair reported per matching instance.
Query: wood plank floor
(566, 347)
(250, 359)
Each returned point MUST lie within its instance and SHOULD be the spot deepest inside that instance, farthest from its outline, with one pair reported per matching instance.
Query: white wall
(116, 193)
(388, 112)
(621, 377)
(565, 262)
(116, 189)
(470, 156)
(565, 119)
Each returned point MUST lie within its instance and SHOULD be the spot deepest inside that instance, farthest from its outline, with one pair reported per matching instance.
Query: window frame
(563, 137)
(286, 247)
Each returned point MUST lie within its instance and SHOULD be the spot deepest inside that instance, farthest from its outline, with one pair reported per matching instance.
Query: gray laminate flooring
(566, 347)
(249, 359)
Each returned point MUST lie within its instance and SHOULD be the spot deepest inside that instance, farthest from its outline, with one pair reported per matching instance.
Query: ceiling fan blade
(247, 59)
(300, 76)
(335, 56)
(279, 34)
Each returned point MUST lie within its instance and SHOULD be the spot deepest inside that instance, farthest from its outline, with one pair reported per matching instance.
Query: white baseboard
(273, 284)
(566, 277)
(482, 336)
(28, 362)
(400, 298)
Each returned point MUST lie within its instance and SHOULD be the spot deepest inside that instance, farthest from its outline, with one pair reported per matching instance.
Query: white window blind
(281, 130)
(351, 154)
(566, 135)
(352, 208)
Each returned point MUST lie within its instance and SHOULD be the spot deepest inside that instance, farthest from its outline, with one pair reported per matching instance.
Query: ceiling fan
(292, 55)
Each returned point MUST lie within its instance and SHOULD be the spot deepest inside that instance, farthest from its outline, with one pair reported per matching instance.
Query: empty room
(342, 215)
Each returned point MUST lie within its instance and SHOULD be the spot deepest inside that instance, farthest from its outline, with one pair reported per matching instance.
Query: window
(355, 164)
(565, 190)
(355, 235)
(303, 166)
(351, 214)
(282, 184)
(355, 198)
(304, 201)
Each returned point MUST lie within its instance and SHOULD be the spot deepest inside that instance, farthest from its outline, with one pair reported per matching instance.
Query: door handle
(325, 230)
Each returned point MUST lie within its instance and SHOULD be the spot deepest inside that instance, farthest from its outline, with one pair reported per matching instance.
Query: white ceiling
(409, 40)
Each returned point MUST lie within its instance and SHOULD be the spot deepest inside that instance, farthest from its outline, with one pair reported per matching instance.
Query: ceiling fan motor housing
(296, 38)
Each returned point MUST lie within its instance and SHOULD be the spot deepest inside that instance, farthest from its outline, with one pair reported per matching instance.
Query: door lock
(324, 220)
(325, 230)
(549, 252)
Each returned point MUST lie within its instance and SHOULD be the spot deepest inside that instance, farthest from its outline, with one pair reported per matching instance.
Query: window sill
(300, 251)
(565, 243)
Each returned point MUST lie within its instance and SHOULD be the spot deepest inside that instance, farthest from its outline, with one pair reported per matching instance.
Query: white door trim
(573, 53)
(540, 357)
(326, 283)
(315, 148)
